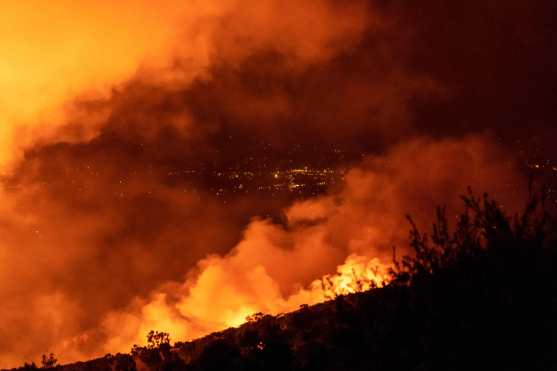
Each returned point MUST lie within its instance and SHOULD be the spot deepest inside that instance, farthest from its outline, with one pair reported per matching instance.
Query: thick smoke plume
(99, 267)
(102, 104)
(274, 267)
(57, 51)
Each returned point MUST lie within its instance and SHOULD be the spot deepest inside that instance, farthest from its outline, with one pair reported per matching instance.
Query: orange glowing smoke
(55, 54)
(212, 305)
(54, 51)
(275, 269)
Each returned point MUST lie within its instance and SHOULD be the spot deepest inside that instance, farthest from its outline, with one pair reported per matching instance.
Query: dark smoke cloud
(494, 59)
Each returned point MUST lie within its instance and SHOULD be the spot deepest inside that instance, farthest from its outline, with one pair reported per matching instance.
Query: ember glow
(180, 165)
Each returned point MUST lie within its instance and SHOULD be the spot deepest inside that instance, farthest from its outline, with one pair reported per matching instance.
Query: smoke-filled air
(181, 165)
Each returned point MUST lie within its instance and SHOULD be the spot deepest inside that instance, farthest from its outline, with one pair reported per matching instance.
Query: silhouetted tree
(481, 228)
(255, 317)
(156, 339)
(49, 361)
(158, 353)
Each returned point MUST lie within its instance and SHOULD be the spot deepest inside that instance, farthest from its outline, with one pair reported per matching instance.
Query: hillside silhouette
(476, 294)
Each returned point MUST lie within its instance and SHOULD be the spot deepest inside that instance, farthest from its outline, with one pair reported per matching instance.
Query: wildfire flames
(357, 274)
(101, 101)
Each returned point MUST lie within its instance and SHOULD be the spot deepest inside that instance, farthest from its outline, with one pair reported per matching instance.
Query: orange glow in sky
(53, 50)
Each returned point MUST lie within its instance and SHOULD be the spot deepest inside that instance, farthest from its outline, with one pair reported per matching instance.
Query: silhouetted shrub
(482, 228)
(255, 317)
(49, 361)
(158, 354)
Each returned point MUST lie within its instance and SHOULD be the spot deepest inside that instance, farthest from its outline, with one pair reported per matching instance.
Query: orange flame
(357, 274)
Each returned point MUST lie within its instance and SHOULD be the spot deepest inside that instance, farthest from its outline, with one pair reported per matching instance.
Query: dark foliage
(49, 361)
(158, 355)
